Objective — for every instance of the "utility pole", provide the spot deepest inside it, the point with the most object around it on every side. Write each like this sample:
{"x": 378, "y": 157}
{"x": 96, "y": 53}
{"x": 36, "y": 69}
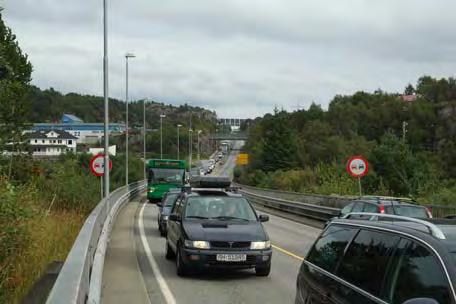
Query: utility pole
{"x": 106, "y": 101}
{"x": 199, "y": 132}
{"x": 190, "y": 131}
{"x": 127, "y": 56}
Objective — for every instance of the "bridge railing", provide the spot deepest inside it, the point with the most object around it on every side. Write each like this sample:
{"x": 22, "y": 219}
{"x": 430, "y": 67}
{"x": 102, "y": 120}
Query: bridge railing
{"x": 79, "y": 280}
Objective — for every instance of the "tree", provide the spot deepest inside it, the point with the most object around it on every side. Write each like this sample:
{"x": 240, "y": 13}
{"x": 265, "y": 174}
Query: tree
{"x": 409, "y": 89}
{"x": 15, "y": 75}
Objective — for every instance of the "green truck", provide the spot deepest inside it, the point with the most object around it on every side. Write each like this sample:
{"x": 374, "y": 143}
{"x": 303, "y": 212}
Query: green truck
{"x": 162, "y": 175}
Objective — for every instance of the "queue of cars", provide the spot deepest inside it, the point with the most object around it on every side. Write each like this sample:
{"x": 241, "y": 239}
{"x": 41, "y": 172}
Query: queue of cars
{"x": 379, "y": 250}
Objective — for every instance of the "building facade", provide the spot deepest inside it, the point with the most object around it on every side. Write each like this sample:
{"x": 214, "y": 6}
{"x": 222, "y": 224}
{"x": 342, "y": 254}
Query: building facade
{"x": 86, "y": 133}
{"x": 51, "y": 143}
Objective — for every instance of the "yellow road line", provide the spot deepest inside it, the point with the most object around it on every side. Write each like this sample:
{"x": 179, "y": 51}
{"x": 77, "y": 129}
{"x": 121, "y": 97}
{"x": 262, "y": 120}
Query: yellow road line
{"x": 288, "y": 253}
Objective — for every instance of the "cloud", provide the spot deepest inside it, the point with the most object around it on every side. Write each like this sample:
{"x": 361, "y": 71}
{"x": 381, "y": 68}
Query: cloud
{"x": 238, "y": 57}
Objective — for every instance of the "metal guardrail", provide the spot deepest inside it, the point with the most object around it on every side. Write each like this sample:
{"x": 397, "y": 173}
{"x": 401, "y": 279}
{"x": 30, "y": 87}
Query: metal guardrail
{"x": 79, "y": 280}
{"x": 315, "y": 212}
{"x": 315, "y": 206}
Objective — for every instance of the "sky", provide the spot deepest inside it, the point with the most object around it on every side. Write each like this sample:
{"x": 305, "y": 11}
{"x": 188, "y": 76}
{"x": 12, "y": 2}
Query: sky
{"x": 240, "y": 58}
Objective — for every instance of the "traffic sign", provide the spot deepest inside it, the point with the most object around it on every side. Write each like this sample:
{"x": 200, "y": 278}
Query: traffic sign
{"x": 97, "y": 165}
{"x": 357, "y": 166}
{"x": 242, "y": 159}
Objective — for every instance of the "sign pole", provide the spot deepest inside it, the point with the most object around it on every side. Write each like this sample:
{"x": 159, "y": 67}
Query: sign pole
{"x": 359, "y": 184}
{"x": 101, "y": 185}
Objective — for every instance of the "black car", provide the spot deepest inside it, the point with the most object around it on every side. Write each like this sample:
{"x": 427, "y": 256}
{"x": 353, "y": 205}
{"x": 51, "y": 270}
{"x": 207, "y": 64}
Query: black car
{"x": 387, "y": 205}
{"x": 212, "y": 227}
{"x": 395, "y": 259}
{"x": 164, "y": 209}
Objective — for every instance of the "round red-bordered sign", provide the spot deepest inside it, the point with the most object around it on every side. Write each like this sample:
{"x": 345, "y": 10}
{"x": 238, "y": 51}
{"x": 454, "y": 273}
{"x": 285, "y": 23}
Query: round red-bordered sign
{"x": 357, "y": 166}
{"x": 97, "y": 165}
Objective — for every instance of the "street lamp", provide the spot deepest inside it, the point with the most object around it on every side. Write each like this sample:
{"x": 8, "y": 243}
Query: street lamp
{"x": 199, "y": 132}
{"x": 106, "y": 101}
{"x": 161, "y": 135}
{"x": 178, "y": 126}
{"x": 190, "y": 132}
{"x": 144, "y": 135}
{"x": 127, "y": 56}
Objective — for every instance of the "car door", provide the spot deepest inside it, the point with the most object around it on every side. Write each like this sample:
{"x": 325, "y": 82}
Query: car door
{"x": 363, "y": 267}
{"x": 174, "y": 226}
{"x": 417, "y": 273}
{"x": 314, "y": 280}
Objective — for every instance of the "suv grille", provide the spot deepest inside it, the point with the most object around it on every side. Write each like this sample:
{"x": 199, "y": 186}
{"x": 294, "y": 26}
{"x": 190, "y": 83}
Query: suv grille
{"x": 236, "y": 245}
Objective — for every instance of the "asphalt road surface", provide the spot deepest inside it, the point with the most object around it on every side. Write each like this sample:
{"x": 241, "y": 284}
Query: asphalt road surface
{"x": 136, "y": 270}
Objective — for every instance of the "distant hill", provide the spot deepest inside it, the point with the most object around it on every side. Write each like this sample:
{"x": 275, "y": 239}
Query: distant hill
{"x": 49, "y": 105}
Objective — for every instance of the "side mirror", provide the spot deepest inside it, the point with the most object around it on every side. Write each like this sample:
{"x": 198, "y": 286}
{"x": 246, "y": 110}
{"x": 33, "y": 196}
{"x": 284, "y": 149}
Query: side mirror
{"x": 160, "y": 204}
{"x": 263, "y": 218}
{"x": 174, "y": 217}
{"x": 421, "y": 301}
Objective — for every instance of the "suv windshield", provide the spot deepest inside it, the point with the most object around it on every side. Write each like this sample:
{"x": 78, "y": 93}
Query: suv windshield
{"x": 170, "y": 199}
{"x": 219, "y": 207}
{"x": 411, "y": 211}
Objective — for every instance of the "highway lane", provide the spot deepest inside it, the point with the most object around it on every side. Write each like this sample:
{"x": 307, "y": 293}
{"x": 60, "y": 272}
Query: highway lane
{"x": 237, "y": 286}
{"x": 160, "y": 283}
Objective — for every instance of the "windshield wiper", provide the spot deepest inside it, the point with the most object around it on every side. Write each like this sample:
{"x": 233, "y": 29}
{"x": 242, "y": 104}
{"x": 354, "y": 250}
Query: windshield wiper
{"x": 225, "y": 217}
{"x": 197, "y": 217}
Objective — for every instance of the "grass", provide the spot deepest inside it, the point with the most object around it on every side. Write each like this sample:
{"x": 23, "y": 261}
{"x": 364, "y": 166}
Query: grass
{"x": 49, "y": 238}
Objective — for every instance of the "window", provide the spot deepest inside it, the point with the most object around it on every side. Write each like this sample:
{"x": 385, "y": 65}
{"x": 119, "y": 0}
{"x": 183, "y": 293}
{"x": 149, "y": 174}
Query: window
{"x": 358, "y": 207}
{"x": 419, "y": 274}
{"x": 371, "y": 208}
{"x": 70, "y": 142}
{"x": 346, "y": 209}
{"x": 42, "y": 141}
{"x": 329, "y": 248}
{"x": 366, "y": 260}
{"x": 59, "y": 141}
{"x": 411, "y": 211}
{"x": 223, "y": 207}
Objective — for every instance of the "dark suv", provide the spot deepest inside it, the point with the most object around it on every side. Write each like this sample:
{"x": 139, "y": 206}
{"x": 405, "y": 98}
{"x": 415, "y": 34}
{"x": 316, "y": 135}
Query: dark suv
{"x": 387, "y": 205}
{"x": 394, "y": 259}
{"x": 164, "y": 209}
{"x": 211, "y": 226}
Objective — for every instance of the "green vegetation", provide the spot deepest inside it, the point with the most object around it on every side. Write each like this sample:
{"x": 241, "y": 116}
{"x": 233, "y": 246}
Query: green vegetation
{"x": 307, "y": 150}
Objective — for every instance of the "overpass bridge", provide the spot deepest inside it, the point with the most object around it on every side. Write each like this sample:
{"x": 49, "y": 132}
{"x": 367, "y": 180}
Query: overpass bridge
{"x": 228, "y": 136}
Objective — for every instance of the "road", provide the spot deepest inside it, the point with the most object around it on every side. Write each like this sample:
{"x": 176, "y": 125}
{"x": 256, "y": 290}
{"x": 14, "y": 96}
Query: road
{"x": 150, "y": 278}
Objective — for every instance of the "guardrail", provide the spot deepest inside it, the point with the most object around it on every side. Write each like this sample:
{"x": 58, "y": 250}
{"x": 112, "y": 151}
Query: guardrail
{"x": 79, "y": 280}
{"x": 315, "y": 206}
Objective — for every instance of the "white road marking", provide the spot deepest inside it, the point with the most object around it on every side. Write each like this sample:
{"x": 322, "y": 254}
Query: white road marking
{"x": 161, "y": 281}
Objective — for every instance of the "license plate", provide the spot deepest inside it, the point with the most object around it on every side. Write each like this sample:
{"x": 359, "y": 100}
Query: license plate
{"x": 231, "y": 257}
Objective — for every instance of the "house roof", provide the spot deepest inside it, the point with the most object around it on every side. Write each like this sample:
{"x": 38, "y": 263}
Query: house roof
{"x": 43, "y": 135}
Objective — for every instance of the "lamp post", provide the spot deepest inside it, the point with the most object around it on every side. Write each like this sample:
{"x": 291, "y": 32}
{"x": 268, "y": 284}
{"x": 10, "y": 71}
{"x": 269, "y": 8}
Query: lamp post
{"x": 190, "y": 132}
{"x": 161, "y": 135}
{"x": 106, "y": 101}
{"x": 127, "y": 56}
{"x": 199, "y": 132}
{"x": 178, "y": 127}
{"x": 144, "y": 135}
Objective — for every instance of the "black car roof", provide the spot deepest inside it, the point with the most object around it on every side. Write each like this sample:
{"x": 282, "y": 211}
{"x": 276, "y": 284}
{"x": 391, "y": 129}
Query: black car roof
{"x": 448, "y": 227}
{"x": 212, "y": 192}
{"x": 387, "y": 202}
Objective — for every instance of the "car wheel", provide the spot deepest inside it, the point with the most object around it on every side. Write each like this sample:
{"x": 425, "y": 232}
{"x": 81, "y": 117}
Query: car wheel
{"x": 169, "y": 254}
{"x": 263, "y": 271}
{"x": 181, "y": 268}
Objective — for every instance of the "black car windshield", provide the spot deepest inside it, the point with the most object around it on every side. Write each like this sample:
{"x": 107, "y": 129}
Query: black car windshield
{"x": 166, "y": 176}
{"x": 411, "y": 211}
{"x": 219, "y": 207}
{"x": 170, "y": 199}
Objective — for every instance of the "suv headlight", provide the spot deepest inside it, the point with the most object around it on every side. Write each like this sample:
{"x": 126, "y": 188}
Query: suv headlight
{"x": 260, "y": 245}
{"x": 151, "y": 189}
{"x": 197, "y": 244}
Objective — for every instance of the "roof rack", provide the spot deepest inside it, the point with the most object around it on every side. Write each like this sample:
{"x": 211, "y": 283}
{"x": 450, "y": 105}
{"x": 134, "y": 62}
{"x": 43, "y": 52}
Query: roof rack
{"x": 392, "y": 198}
{"x": 433, "y": 229}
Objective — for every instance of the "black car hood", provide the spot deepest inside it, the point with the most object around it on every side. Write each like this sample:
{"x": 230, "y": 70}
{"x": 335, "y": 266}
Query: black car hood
{"x": 214, "y": 230}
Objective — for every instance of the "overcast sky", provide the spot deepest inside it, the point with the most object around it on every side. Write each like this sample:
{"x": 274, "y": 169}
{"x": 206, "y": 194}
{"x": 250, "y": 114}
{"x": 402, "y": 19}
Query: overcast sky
{"x": 237, "y": 57}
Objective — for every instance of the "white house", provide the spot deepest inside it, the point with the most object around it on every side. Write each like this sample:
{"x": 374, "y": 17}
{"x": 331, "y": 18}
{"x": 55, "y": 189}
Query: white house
{"x": 51, "y": 143}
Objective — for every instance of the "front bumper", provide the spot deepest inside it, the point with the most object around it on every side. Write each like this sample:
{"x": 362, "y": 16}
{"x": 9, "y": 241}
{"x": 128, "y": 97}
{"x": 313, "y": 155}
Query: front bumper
{"x": 207, "y": 258}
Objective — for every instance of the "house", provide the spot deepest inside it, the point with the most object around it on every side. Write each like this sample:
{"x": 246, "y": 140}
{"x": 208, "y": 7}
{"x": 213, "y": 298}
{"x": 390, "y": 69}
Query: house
{"x": 409, "y": 98}
{"x": 51, "y": 143}
{"x": 87, "y": 133}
